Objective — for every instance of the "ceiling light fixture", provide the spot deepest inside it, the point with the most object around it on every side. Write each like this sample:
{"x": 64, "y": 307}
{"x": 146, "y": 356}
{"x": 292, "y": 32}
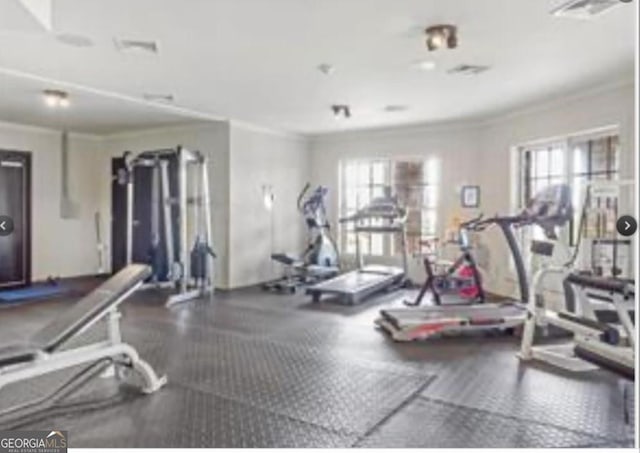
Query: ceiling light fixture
{"x": 341, "y": 111}
{"x": 56, "y": 98}
{"x": 441, "y": 36}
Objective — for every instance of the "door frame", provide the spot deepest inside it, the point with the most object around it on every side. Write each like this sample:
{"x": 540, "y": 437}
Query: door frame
{"x": 26, "y": 158}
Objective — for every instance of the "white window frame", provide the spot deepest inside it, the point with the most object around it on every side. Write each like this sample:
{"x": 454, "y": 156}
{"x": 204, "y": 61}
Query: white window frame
{"x": 567, "y": 144}
{"x": 431, "y": 179}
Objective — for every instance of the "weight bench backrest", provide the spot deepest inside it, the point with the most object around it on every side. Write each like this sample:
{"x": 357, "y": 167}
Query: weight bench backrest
{"x": 90, "y": 308}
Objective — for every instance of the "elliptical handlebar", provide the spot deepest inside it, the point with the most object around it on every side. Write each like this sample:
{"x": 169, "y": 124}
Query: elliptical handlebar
{"x": 480, "y": 223}
{"x": 303, "y": 192}
{"x": 472, "y": 224}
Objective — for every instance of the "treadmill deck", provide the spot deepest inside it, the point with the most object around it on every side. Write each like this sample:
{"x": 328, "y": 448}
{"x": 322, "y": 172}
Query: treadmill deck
{"x": 408, "y": 324}
{"x": 359, "y": 284}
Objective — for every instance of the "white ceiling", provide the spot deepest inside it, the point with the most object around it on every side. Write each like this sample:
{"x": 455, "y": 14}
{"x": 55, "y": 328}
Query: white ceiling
{"x": 255, "y": 60}
{"x": 25, "y": 15}
{"x": 21, "y": 102}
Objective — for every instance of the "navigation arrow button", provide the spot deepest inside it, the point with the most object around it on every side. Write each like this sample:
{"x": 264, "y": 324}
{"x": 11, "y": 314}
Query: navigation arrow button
{"x": 626, "y": 225}
{"x": 6, "y": 225}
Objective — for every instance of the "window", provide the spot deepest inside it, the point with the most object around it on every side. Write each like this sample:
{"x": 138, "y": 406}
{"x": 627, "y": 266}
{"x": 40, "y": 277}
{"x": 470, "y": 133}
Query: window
{"x": 361, "y": 181}
{"x": 594, "y": 159}
{"x": 542, "y": 167}
{"x": 416, "y": 185}
{"x": 575, "y": 161}
{"x": 413, "y": 181}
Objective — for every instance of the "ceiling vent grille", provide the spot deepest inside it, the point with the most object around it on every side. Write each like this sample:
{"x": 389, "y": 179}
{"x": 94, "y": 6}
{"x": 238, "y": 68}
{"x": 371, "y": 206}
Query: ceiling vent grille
{"x": 585, "y": 9}
{"x": 137, "y": 46}
{"x": 468, "y": 69}
{"x": 152, "y": 97}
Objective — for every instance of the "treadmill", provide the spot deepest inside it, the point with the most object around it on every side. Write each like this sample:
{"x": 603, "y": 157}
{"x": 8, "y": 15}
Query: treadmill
{"x": 383, "y": 215}
{"x": 549, "y": 209}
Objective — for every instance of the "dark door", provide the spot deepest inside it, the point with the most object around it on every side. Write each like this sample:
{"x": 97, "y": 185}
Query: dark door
{"x": 148, "y": 244}
{"x": 15, "y": 202}
{"x": 118, "y": 214}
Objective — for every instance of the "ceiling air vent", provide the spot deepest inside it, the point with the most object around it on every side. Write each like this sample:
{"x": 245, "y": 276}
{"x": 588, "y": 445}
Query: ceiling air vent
{"x": 585, "y": 9}
{"x": 396, "y": 108}
{"x": 468, "y": 69}
{"x": 153, "y": 97}
{"x": 136, "y": 46}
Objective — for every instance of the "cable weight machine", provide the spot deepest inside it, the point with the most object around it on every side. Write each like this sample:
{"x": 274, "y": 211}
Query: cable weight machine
{"x": 161, "y": 206}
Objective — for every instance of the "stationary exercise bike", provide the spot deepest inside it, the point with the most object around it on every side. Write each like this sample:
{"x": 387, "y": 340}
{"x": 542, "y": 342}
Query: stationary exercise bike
{"x": 460, "y": 277}
{"x": 319, "y": 261}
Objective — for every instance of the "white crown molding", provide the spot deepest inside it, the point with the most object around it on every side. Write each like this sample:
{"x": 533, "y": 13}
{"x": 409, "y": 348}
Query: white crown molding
{"x": 553, "y": 103}
{"x": 178, "y": 127}
{"x": 269, "y": 131}
{"x": 168, "y": 108}
{"x": 401, "y": 129}
{"x": 19, "y": 127}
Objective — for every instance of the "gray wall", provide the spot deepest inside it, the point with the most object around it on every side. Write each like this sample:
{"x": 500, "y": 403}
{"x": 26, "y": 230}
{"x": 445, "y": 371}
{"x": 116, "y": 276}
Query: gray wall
{"x": 259, "y": 159}
{"x": 60, "y": 247}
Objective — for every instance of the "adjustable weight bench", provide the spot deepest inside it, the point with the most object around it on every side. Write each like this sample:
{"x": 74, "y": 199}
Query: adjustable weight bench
{"x": 44, "y": 353}
{"x": 621, "y": 293}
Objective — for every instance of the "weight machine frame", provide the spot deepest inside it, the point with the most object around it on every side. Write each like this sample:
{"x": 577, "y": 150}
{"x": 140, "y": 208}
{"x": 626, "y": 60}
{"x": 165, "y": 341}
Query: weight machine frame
{"x": 179, "y": 274}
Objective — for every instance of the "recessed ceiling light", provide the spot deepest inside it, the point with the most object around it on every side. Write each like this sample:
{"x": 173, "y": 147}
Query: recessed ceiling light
{"x": 74, "y": 40}
{"x": 424, "y": 65}
{"x": 152, "y": 97}
{"x": 136, "y": 46}
{"x": 397, "y": 108}
{"x": 326, "y": 68}
{"x": 56, "y": 98}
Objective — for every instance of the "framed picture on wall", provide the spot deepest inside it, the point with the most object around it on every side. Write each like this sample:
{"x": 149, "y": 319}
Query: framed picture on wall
{"x": 470, "y": 196}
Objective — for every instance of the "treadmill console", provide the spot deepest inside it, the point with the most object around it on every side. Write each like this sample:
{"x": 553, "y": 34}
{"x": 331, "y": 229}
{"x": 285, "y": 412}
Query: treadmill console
{"x": 550, "y": 208}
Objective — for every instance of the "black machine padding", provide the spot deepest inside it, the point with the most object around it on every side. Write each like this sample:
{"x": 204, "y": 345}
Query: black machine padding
{"x": 283, "y": 258}
{"x": 604, "y": 362}
{"x": 90, "y": 307}
{"x": 14, "y": 354}
{"x": 608, "y": 334}
{"x": 611, "y": 285}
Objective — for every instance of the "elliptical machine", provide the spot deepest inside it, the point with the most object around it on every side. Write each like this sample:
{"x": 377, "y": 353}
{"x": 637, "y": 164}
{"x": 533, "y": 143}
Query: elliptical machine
{"x": 319, "y": 261}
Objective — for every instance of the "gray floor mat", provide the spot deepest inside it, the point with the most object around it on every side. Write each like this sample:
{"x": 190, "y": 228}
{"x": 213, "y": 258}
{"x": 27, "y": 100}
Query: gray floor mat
{"x": 432, "y": 424}
{"x": 252, "y": 369}
{"x": 496, "y": 382}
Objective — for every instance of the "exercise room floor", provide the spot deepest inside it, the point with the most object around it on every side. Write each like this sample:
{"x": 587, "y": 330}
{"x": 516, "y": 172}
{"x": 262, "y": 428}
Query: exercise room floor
{"x": 252, "y": 369}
